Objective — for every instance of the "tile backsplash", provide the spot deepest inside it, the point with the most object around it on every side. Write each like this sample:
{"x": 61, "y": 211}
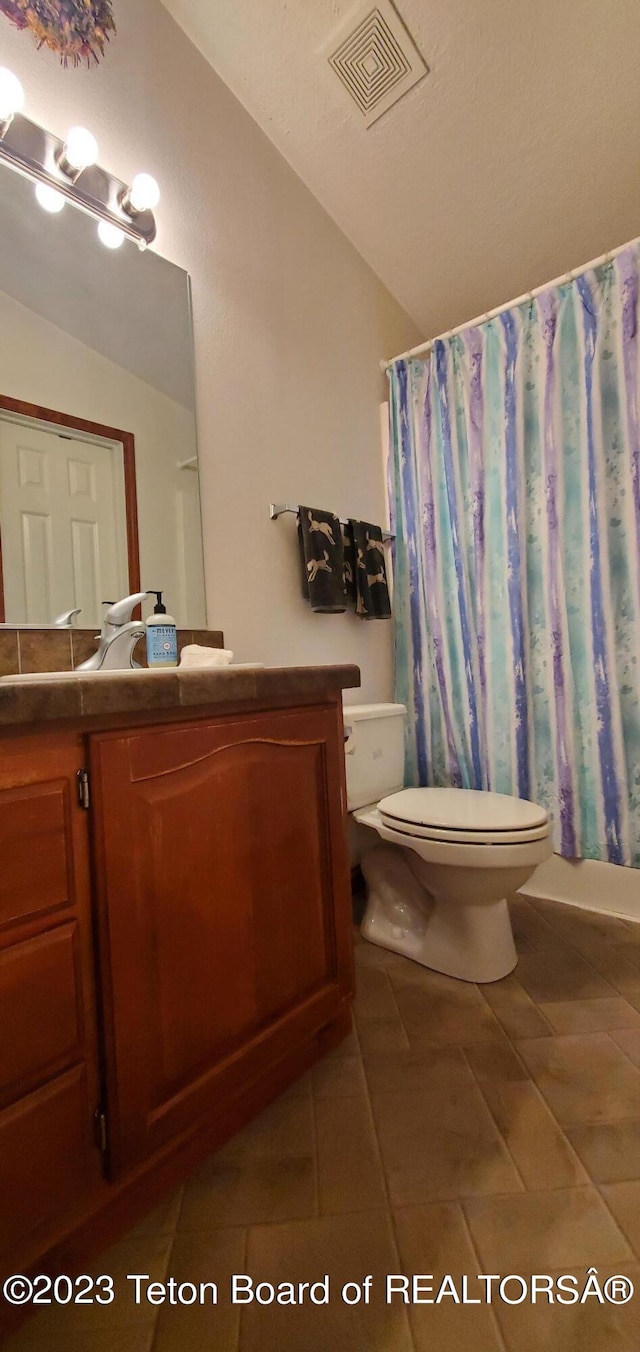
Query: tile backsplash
{"x": 27, "y": 650}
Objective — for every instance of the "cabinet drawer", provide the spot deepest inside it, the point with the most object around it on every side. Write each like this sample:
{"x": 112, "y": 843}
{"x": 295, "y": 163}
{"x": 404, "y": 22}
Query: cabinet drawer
{"x": 50, "y": 1166}
{"x": 34, "y": 848}
{"x": 40, "y": 1009}
{"x": 47, "y": 1161}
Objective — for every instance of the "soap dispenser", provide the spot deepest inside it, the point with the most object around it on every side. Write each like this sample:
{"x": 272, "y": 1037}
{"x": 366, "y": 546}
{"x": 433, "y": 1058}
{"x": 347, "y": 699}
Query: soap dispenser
{"x": 162, "y": 639}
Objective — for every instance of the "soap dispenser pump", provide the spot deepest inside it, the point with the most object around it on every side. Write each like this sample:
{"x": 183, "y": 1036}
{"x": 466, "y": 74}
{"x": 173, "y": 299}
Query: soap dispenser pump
{"x": 162, "y": 638}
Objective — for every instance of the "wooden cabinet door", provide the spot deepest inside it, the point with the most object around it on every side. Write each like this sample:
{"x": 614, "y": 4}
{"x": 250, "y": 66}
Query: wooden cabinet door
{"x": 223, "y": 889}
{"x": 50, "y": 1164}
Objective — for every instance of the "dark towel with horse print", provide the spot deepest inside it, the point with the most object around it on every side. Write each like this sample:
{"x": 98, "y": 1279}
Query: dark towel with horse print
{"x": 322, "y": 560}
{"x": 365, "y": 562}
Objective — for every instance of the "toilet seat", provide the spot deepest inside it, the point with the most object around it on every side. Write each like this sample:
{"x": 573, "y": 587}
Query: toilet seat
{"x": 464, "y": 816}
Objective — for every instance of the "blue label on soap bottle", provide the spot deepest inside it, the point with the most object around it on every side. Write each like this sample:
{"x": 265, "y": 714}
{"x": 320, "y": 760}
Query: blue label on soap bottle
{"x": 162, "y": 645}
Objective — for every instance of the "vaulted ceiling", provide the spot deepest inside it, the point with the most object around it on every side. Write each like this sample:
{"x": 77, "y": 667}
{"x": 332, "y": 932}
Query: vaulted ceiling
{"x": 516, "y": 158}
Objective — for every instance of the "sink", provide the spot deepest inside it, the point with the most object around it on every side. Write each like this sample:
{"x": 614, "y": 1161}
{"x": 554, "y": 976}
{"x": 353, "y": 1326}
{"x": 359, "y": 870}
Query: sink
{"x": 102, "y": 674}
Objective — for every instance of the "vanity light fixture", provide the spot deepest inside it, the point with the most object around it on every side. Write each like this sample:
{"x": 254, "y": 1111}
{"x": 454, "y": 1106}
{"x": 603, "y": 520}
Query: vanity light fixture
{"x": 110, "y": 235}
{"x": 49, "y": 198}
{"x": 11, "y": 98}
{"x": 143, "y": 195}
{"x": 66, "y": 171}
{"x": 79, "y": 151}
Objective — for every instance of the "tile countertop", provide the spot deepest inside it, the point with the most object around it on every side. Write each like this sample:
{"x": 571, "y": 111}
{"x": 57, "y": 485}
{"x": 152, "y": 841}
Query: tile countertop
{"x": 125, "y": 692}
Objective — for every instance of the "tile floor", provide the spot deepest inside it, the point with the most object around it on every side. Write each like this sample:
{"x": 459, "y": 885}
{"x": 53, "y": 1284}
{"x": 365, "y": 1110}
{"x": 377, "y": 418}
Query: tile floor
{"x": 459, "y": 1130}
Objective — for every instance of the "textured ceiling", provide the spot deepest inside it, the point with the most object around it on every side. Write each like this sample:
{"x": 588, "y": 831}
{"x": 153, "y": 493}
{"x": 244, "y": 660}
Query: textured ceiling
{"x": 517, "y": 157}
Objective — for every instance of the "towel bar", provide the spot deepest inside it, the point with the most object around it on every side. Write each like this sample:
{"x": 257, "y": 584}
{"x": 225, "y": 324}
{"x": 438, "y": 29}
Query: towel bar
{"x": 277, "y": 509}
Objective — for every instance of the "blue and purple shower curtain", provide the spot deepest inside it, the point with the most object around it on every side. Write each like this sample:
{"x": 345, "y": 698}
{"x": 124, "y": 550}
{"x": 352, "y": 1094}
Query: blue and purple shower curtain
{"x": 515, "y": 492}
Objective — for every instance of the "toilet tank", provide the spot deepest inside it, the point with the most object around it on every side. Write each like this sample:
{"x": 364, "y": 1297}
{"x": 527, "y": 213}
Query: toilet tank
{"x": 373, "y": 752}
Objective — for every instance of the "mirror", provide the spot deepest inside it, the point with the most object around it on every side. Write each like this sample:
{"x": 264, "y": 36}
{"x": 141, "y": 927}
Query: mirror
{"x": 99, "y": 491}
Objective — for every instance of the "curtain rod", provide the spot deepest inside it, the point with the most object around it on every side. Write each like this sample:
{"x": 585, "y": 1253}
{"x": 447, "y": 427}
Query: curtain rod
{"x": 510, "y": 305}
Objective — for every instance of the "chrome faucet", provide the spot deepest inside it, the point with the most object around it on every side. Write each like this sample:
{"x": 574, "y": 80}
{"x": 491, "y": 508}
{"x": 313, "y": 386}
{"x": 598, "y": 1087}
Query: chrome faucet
{"x": 118, "y": 637}
{"x": 65, "y": 620}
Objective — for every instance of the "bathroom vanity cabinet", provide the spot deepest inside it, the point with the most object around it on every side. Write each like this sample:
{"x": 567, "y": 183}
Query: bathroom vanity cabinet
{"x": 175, "y": 940}
{"x": 49, "y": 1067}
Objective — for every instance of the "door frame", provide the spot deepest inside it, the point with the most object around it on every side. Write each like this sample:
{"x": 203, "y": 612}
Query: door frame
{"x": 127, "y": 440}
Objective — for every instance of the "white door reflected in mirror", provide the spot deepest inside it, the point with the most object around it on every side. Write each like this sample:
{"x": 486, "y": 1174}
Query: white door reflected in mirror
{"x": 62, "y": 519}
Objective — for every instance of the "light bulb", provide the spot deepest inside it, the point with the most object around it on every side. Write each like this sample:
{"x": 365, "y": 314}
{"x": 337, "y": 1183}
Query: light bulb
{"x": 110, "y": 236}
{"x": 11, "y": 94}
{"x": 49, "y": 198}
{"x": 144, "y": 193}
{"x": 80, "y": 148}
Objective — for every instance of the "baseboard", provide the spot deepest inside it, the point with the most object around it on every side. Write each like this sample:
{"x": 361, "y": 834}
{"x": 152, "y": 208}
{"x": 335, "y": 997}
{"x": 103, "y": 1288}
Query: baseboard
{"x": 588, "y": 883}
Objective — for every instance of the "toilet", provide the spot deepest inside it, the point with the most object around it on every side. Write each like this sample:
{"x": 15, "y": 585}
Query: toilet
{"x": 437, "y": 886}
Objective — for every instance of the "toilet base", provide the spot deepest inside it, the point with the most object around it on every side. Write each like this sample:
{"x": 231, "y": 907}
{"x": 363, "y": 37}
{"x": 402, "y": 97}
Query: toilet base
{"x": 468, "y": 939}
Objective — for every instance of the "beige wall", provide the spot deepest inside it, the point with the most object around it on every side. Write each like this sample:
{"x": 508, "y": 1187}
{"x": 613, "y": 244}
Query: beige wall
{"x": 289, "y": 326}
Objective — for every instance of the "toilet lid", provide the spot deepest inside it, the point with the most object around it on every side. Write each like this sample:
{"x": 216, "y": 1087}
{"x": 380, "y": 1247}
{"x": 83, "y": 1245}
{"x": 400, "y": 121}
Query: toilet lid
{"x": 464, "y": 814}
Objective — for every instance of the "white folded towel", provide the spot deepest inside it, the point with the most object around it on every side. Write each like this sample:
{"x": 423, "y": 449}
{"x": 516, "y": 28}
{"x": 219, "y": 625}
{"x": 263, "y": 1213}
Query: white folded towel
{"x": 195, "y": 655}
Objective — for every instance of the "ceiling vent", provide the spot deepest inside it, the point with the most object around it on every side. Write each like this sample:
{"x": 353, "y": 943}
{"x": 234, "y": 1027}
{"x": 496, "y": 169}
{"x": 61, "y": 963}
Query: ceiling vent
{"x": 375, "y": 59}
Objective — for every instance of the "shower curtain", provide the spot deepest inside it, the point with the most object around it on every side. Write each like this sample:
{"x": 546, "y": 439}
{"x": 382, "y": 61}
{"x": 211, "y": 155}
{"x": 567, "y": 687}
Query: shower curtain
{"x": 515, "y": 491}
